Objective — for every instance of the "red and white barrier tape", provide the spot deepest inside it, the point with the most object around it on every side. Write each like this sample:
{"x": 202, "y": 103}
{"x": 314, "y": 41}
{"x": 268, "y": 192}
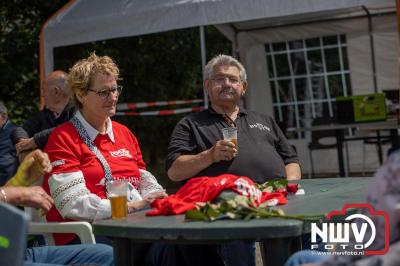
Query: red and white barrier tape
{"x": 162, "y": 112}
{"x": 128, "y": 106}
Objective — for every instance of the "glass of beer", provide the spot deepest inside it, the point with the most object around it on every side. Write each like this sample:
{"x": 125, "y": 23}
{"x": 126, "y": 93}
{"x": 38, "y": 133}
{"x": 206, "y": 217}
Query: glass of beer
{"x": 230, "y": 133}
{"x": 117, "y": 191}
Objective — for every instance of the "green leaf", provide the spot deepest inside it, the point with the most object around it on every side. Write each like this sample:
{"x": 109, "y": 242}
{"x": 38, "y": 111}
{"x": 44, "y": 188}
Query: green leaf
{"x": 213, "y": 211}
{"x": 273, "y": 185}
{"x": 196, "y": 215}
{"x": 232, "y": 206}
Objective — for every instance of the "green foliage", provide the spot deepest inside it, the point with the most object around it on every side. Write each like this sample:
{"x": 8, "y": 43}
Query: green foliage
{"x": 230, "y": 205}
{"x": 273, "y": 185}
{"x": 20, "y": 23}
{"x": 241, "y": 208}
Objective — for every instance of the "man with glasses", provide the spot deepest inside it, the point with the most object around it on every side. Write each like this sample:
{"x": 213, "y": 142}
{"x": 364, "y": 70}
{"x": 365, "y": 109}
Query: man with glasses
{"x": 197, "y": 147}
{"x": 58, "y": 109}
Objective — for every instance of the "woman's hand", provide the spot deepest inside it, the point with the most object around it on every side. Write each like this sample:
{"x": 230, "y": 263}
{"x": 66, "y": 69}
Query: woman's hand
{"x": 144, "y": 203}
{"x": 155, "y": 195}
{"x": 136, "y": 205}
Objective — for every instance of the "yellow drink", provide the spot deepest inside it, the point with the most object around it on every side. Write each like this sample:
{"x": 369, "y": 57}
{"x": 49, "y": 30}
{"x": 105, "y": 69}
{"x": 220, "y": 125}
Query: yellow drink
{"x": 118, "y": 207}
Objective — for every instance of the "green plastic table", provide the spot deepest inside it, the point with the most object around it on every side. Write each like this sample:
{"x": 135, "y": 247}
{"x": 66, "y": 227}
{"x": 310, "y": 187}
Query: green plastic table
{"x": 280, "y": 237}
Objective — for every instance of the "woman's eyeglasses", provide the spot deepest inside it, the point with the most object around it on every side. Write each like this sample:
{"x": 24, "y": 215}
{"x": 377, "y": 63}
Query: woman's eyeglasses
{"x": 104, "y": 94}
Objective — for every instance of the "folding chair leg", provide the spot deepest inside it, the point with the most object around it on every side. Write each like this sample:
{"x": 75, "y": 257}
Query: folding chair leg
{"x": 347, "y": 161}
{"x": 363, "y": 159}
{"x": 379, "y": 146}
{"x": 311, "y": 173}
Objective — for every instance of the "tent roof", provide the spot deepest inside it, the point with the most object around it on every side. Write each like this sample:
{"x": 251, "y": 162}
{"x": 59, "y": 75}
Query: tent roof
{"x": 85, "y": 20}
{"x": 82, "y": 21}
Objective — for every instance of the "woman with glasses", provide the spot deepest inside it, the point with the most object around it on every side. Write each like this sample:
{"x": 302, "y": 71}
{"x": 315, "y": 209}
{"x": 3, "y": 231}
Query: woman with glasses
{"x": 90, "y": 150}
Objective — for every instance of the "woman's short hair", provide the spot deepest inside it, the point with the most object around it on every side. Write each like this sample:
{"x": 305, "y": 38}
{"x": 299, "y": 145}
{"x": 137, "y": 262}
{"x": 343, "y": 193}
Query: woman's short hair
{"x": 81, "y": 75}
{"x": 224, "y": 60}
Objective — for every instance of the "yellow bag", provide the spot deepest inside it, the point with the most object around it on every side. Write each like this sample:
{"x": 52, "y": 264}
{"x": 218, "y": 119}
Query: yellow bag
{"x": 29, "y": 171}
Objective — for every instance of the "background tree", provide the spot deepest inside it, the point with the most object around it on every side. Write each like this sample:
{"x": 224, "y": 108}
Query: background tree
{"x": 20, "y": 23}
{"x": 155, "y": 67}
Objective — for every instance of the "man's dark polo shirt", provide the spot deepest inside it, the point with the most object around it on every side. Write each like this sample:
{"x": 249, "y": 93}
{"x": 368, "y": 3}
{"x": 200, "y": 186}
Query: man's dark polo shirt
{"x": 263, "y": 149}
{"x": 41, "y": 125}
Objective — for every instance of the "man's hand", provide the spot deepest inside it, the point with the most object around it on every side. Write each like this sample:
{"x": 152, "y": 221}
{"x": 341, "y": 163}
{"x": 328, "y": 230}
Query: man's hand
{"x": 186, "y": 166}
{"x": 25, "y": 145}
{"x": 34, "y": 197}
{"x": 223, "y": 150}
{"x": 293, "y": 171}
{"x": 155, "y": 195}
{"x": 34, "y": 166}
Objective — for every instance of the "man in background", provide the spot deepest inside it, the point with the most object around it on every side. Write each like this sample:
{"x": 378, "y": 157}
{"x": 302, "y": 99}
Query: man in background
{"x": 58, "y": 109}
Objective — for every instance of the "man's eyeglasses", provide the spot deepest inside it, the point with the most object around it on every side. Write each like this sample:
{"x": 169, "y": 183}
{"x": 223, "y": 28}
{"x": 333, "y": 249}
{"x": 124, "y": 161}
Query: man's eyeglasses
{"x": 221, "y": 80}
{"x": 104, "y": 94}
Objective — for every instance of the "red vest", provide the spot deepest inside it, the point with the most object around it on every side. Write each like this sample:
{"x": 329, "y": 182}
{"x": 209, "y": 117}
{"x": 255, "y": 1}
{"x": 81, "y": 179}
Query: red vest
{"x": 69, "y": 154}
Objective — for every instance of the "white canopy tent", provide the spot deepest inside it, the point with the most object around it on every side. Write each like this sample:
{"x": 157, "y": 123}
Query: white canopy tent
{"x": 92, "y": 20}
{"x": 82, "y": 21}
{"x": 249, "y": 24}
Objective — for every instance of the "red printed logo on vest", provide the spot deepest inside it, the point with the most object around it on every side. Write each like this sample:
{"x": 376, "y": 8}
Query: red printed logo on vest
{"x": 121, "y": 153}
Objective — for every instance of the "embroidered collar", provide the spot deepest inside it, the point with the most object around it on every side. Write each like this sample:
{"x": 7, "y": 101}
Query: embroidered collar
{"x": 92, "y": 132}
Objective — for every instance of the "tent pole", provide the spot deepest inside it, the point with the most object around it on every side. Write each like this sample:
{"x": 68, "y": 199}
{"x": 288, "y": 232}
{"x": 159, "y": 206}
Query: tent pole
{"x": 42, "y": 52}
{"x": 398, "y": 60}
{"x": 371, "y": 43}
{"x": 203, "y": 61}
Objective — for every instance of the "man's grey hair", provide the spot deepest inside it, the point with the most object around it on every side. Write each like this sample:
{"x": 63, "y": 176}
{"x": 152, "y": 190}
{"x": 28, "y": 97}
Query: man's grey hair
{"x": 224, "y": 60}
{"x": 61, "y": 80}
{"x": 3, "y": 109}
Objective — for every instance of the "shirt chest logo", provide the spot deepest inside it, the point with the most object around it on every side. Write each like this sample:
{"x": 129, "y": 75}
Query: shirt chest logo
{"x": 260, "y": 127}
{"x": 57, "y": 163}
{"x": 121, "y": 153}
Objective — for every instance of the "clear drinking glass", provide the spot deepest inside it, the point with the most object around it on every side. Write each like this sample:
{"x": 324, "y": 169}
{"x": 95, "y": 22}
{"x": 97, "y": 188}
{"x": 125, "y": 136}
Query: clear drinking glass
{"x": 230, "y": 133}
{"x": 117, "y": 191}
